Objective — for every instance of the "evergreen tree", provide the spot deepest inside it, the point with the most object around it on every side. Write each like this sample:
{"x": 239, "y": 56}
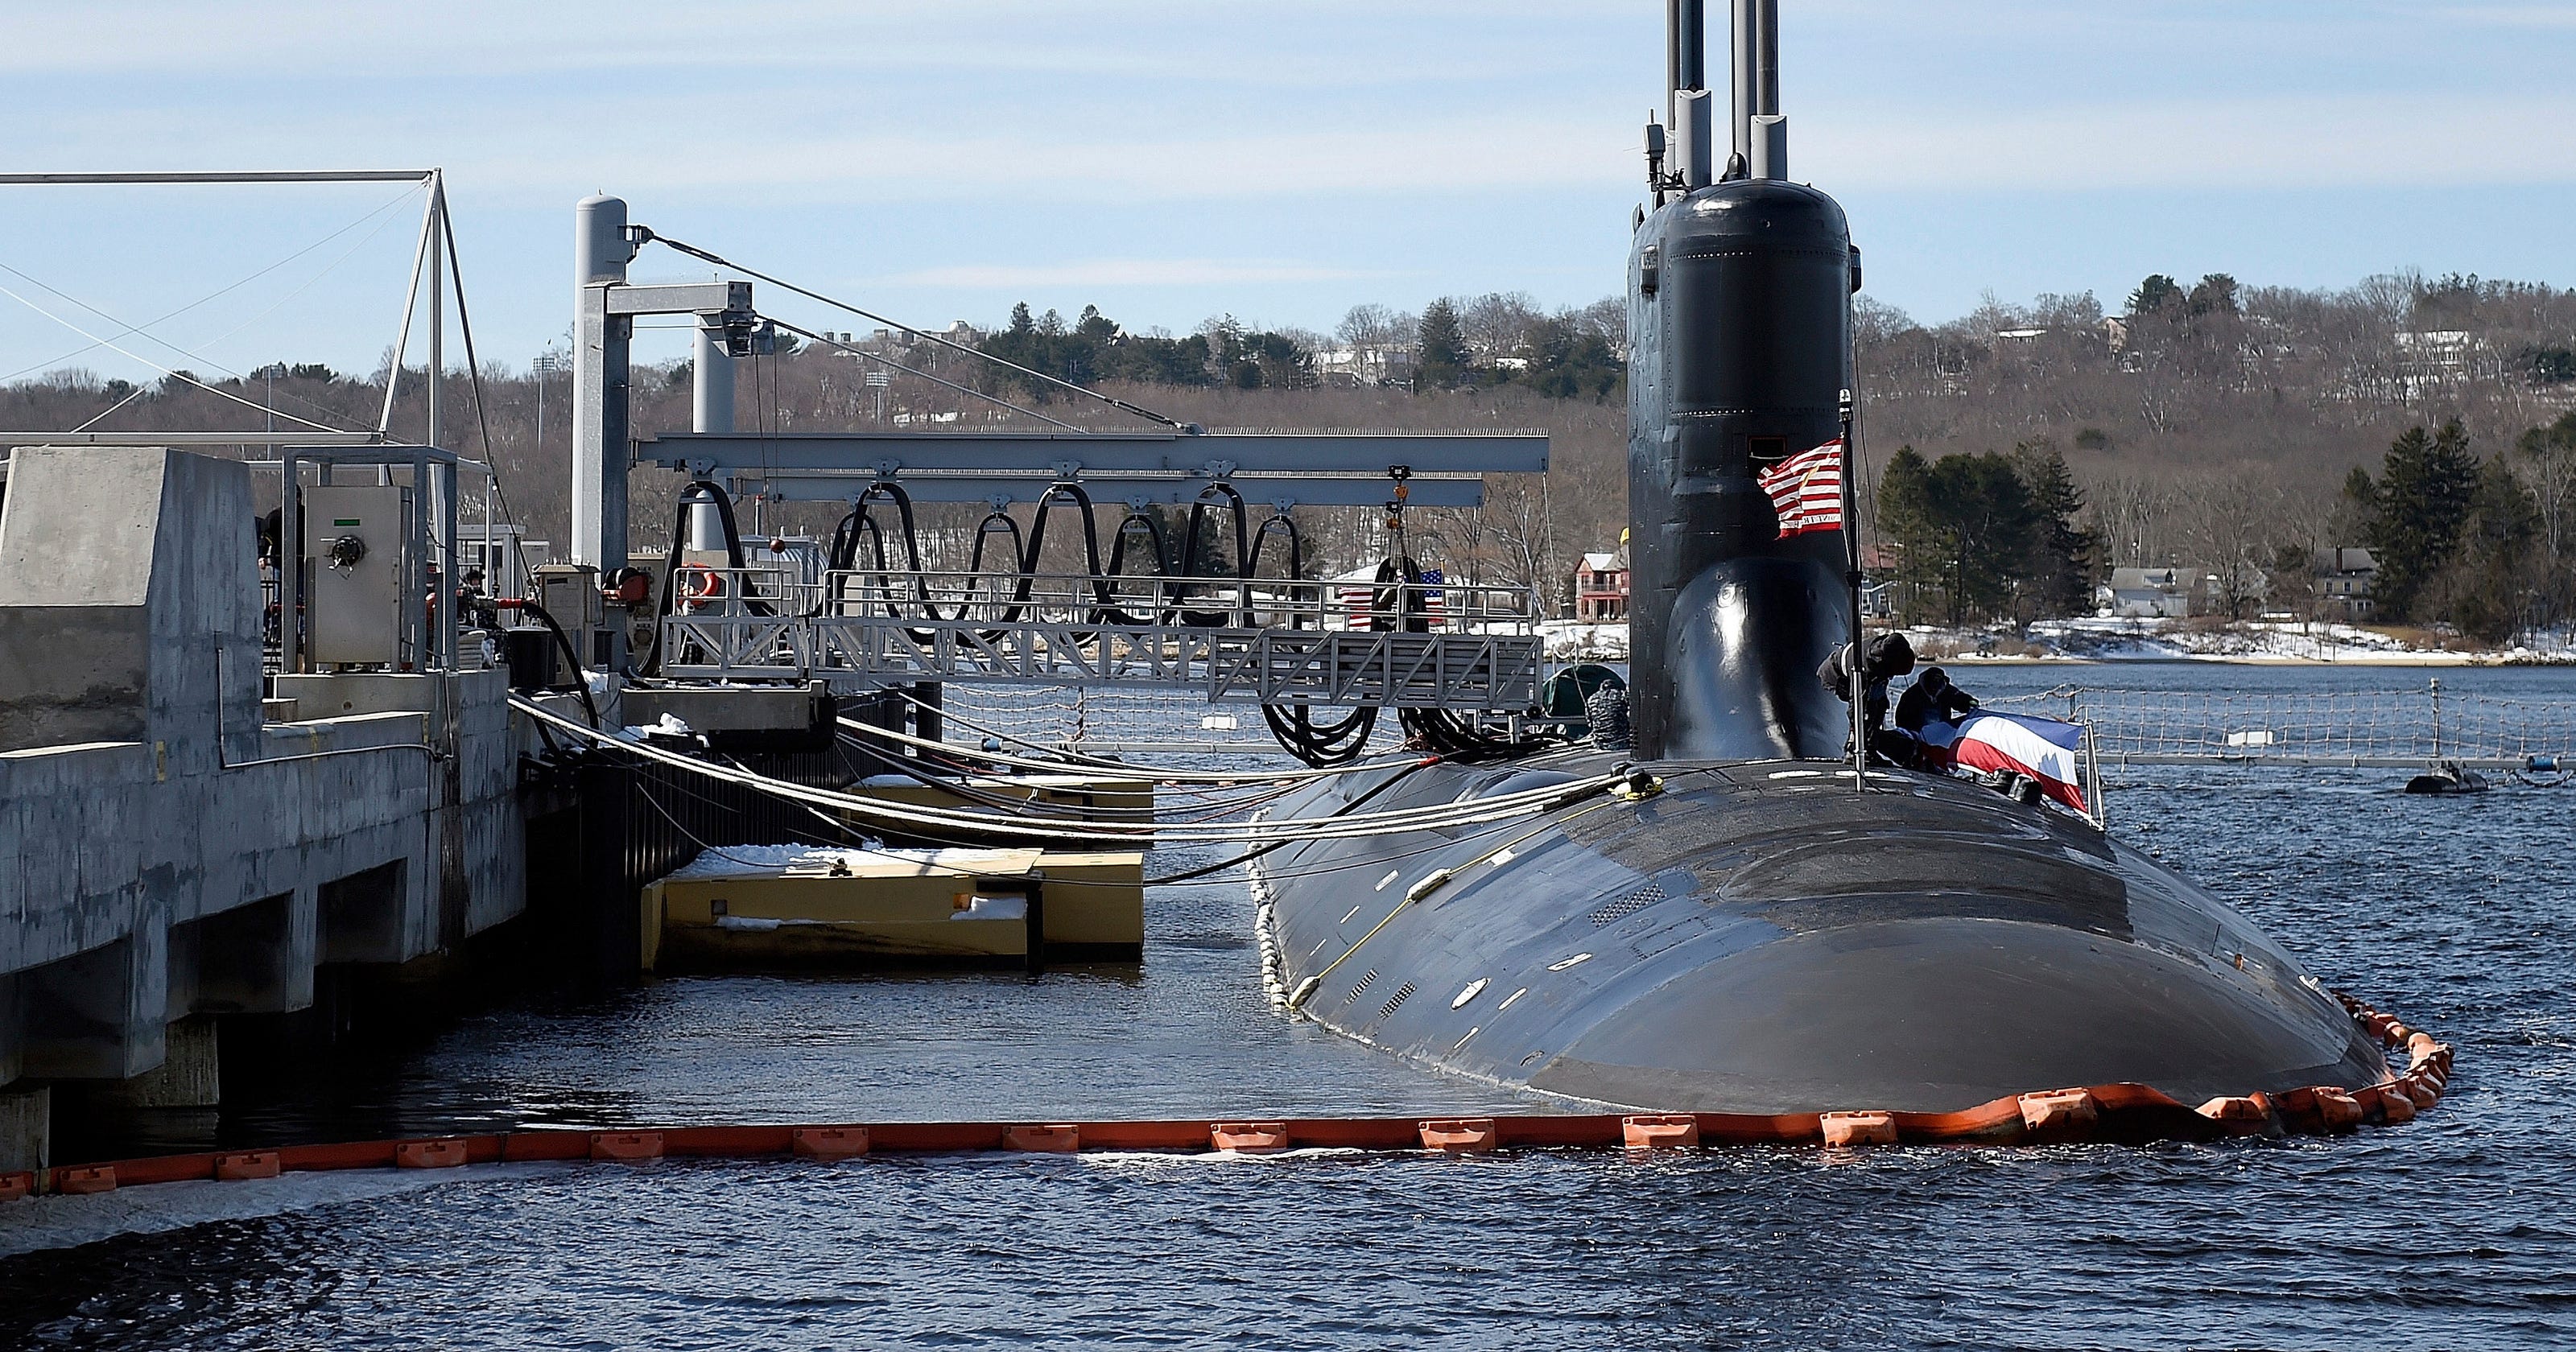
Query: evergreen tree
{"x": 2154, "y": 294}
{"x": 1568, "y": 363}
{"x": 2496, "y": 569}
{"x": 1965, "y": 530}
{"x": 2061, "y": 559}
{"x": 1906, "y": 530}
{"x": 1444, "y": 358}
{"x": 2423, "y": 497}
{"x": 2213, "y": 294}
{"x": 1985, "y": 512}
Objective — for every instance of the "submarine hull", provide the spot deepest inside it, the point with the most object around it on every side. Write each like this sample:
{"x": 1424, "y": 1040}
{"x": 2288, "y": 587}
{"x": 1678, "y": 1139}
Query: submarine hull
{"x": 1760, "y": 938}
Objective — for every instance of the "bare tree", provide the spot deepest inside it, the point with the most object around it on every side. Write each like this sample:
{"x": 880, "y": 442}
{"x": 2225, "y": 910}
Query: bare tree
{"x": 1498, "y": 325}
{"x": 1377, "y": 326}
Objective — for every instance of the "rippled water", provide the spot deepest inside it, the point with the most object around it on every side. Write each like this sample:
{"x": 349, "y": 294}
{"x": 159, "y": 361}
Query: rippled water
{"x": 2458, "y": 1230}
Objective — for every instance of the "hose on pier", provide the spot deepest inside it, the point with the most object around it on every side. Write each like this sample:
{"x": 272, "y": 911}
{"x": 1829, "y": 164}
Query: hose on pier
{"x": 1093, "y": 834}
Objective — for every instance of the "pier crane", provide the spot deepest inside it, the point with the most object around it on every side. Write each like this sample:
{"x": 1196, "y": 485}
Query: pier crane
{"x": 877, "y": 621}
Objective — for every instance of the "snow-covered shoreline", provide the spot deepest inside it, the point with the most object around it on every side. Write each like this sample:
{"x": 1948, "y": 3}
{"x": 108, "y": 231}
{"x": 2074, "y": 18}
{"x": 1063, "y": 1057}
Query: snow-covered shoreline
{"x": 2108, "y": 640}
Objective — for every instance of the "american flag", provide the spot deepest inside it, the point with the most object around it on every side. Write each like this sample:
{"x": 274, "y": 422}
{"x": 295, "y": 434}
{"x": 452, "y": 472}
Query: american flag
{"x": 1807, "y": 488}
{"x": 1359, "y": 591}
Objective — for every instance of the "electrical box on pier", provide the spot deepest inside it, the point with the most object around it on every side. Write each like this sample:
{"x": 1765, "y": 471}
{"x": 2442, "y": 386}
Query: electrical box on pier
{"x": 358, "y": 567}
{"x": 570, "y": 593}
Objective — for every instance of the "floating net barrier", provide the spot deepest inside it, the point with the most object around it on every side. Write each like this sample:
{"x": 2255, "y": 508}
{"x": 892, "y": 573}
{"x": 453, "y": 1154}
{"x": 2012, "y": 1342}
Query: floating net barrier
{"x": 2354, "y": 728}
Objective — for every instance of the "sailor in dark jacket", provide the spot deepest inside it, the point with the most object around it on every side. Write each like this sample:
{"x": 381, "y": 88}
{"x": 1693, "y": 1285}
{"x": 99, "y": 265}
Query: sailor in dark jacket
{"x": 1884, "y": 658}
{"x": 1932, "y": 699}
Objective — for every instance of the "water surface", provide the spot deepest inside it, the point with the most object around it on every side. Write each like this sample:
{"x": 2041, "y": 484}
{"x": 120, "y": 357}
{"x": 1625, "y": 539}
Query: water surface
{"x": 2455, "y": 1231}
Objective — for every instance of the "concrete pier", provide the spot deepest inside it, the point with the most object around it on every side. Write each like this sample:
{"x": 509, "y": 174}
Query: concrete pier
{"x": 171, "y": 853}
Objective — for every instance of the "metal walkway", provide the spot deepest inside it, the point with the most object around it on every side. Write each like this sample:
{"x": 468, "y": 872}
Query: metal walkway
{"x": 1333, "y": 643}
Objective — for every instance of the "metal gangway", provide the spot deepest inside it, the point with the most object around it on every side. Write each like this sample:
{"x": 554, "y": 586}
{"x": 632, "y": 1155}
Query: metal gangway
{"x": 1420, "y": 645}
{"x": 1448, "y": 660}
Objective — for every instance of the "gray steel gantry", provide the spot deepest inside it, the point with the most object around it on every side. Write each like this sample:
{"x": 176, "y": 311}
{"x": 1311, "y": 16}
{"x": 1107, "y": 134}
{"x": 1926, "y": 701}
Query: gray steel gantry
{"x": 1281, "y": 469}
{"x": 1475, "y": 663}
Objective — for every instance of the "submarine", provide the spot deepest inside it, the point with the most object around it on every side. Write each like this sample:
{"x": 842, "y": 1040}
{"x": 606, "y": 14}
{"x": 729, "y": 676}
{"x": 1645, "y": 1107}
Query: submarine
{"x": 1755, "y": 925}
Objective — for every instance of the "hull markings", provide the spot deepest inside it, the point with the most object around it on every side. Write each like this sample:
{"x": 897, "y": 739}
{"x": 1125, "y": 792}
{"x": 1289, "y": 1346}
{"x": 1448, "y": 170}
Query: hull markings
{"x": 1561, "y": 966}
{"x": 1511, "y": 999}
{"x": 1474, "y": 988}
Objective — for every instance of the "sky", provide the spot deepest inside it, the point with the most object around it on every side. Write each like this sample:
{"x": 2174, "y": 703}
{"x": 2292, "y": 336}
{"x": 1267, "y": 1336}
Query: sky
{"x": 1173, "y": 161}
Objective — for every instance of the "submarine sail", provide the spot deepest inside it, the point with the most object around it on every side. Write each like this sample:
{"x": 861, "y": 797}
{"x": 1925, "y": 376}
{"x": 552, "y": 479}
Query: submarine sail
{"x": 1742, "y": 931}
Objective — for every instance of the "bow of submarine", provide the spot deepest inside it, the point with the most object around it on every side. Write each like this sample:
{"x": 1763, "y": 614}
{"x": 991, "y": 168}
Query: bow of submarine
{"x": 1761, "y": 938}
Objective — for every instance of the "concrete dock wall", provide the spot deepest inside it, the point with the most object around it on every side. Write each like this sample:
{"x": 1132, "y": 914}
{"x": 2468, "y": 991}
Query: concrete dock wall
{"x": 167, "y": 853}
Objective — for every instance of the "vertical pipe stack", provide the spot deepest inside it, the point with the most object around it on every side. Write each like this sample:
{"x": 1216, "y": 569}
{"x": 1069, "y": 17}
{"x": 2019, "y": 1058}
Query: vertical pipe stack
{"x": 710, "y": 410}
{"x": 599, "y": 432}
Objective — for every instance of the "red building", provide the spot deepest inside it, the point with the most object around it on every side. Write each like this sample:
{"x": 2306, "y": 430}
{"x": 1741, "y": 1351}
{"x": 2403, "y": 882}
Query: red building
{"x": 1601, "y": 589}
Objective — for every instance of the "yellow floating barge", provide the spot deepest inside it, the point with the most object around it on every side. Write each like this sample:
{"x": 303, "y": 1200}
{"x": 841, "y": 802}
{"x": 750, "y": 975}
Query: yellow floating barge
{"x": 839, "y": 907}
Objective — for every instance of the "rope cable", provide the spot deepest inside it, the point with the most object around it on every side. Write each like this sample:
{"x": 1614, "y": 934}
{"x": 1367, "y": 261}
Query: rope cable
{"x": 1159, "y": 774}
{"x": 145, "y": 328}
{"x": 694, "y": 251}
{"x": 1459, "y": 813}
{"x": 857, "y": 351}
{"x": 965, "y": 785}
{"x": 179, "y": 376}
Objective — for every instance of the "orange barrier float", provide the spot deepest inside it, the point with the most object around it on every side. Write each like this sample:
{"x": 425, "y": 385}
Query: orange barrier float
{"x": 1057, "y": 1139}
{"x": 1247, "y": 1138}
{"x": 2107, "y": 1112}
{"x": 95, "y": 1178}
{"x": 1861, "y": 1128}
{"x": 1458, "y": 1135}
{"x": 1674, "y": 1132}
{"x": 828, "y": 1143}
{"x": 626, "y": 1145}
{"x": 445, "y": 1154}
{"x": 2065, "y": 1114}
{"x": 247, "y": 1164}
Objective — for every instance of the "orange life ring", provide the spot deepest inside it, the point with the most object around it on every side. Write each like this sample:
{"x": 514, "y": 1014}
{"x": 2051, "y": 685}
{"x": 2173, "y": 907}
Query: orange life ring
{"x": 697, "y": 586}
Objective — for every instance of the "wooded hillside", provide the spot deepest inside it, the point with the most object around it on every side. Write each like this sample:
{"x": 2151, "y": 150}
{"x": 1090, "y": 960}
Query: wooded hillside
{"x": 2196, "y": 424}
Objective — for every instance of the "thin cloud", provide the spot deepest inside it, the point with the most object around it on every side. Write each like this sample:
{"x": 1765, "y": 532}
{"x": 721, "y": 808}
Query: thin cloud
{"x": 2318, "y": 141}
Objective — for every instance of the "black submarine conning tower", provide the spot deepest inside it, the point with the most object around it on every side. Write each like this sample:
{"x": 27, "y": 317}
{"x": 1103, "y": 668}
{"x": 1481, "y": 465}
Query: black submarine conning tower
{"x": 1739, "y": 325}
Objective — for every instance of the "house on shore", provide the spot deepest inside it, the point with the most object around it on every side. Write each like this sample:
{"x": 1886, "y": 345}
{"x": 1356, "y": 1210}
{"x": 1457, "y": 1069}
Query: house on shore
{"x": 2344, "y": 578}
{"x": 1601, "y": 589}
{"x": 2148, "y": 593}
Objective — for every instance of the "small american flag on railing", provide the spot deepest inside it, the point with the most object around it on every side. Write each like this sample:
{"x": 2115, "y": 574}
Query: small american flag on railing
{"x": 1358, "y": 590}
{"x": 1807, "y": 488}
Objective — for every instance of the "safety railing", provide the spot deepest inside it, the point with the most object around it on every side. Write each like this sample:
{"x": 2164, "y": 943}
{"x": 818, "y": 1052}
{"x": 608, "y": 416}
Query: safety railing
{"x": 1242, "y": 640}
{"x": 1204, "y": 602}
{"x": 2362, "y": 729}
